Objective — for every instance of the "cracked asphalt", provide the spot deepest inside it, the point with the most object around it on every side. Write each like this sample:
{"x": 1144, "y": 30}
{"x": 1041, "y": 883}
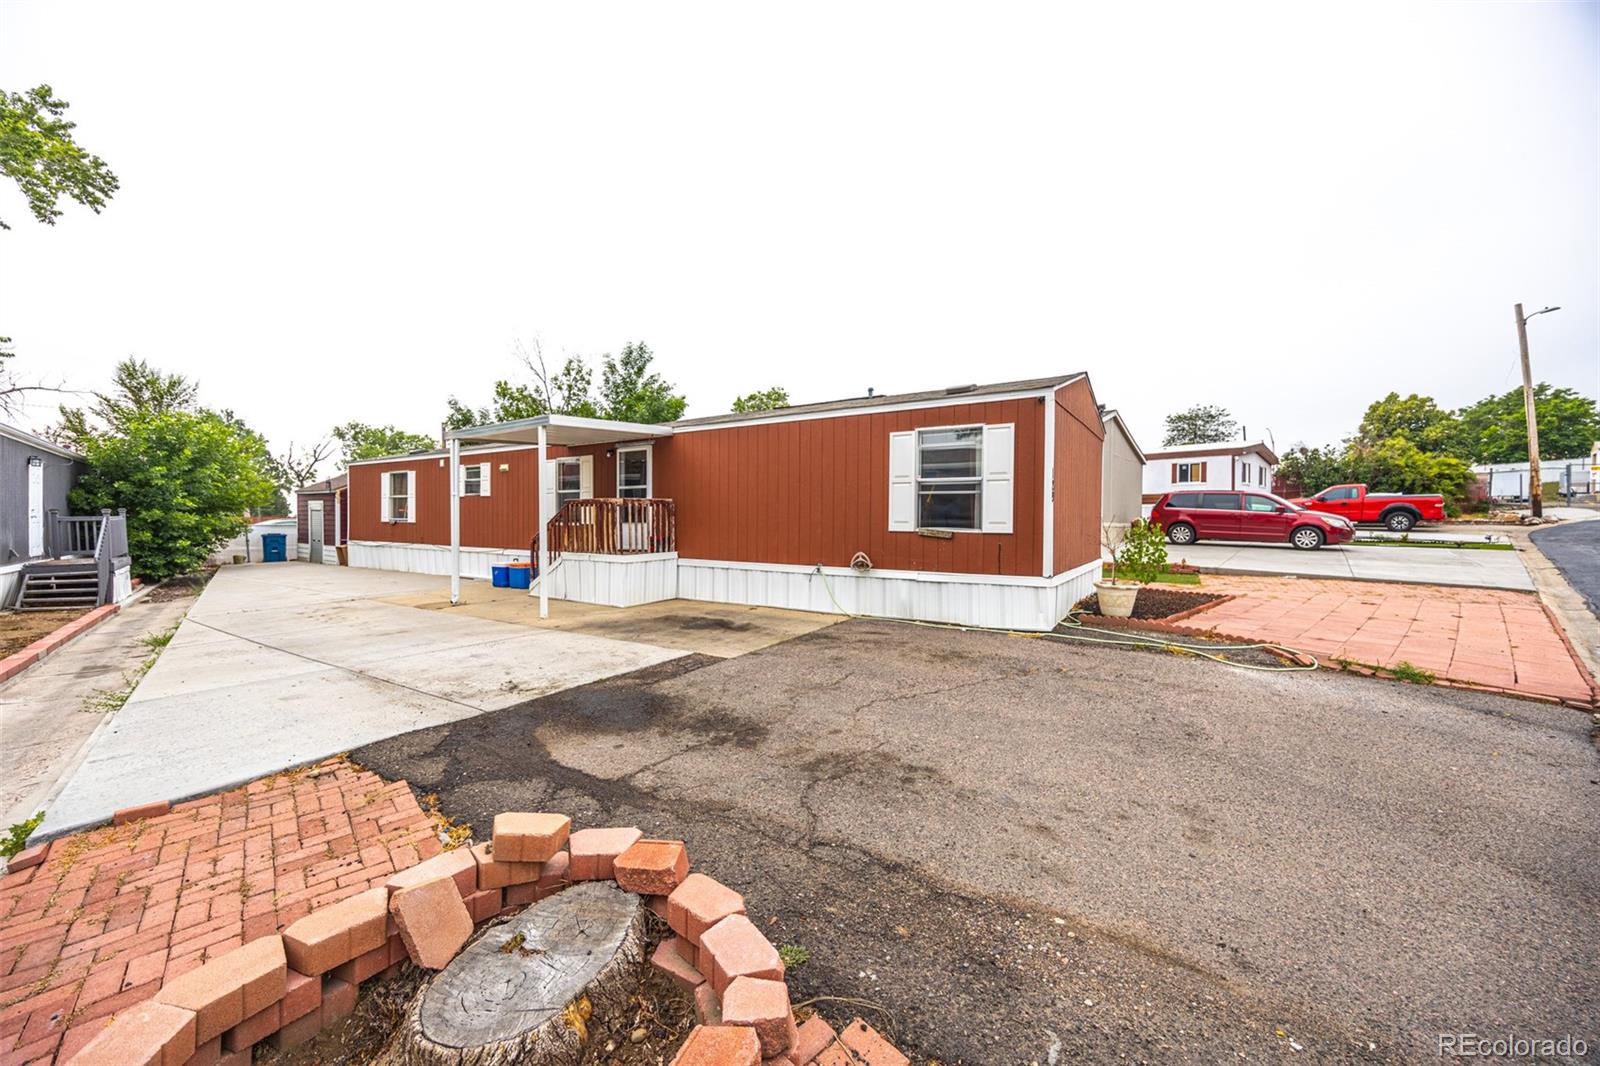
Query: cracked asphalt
{"x": 1010, "y": 850}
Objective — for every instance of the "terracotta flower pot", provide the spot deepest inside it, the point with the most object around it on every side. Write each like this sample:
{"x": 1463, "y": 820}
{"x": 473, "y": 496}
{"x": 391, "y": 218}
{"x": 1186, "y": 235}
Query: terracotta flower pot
{"x": 1116, "y": 597}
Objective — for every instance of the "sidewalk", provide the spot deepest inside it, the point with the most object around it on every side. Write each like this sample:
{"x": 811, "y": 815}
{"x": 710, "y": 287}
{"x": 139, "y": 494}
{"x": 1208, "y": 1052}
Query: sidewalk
{"x": 1435, "y": 566}
{"x": 43, "y": 720}
{"x": 1489, "y": 637}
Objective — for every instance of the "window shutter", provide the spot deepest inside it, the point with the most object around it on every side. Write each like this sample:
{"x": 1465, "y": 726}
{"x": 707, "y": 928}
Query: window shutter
{"x": 999, "y": 463}
{"x": 383, "y": 497}
{"x": 547, "y": 490}
{"x": 1174, "y": 473}
{"x": 585, "y": 477}
{"x": 1202, "y": 476}
{"x": 461, "y": 479}
{"x": 902, "y": 482}
{"x": 411, "y": 495}
{"x": 483, "y": 478}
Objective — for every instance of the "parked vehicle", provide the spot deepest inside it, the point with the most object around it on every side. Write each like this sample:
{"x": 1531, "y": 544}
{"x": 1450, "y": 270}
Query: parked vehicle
{"x": 1255, "y": 516}
{"x": 1398, "y": 511}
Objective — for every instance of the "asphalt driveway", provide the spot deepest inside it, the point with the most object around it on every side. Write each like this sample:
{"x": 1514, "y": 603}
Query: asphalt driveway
{"x": 1575, "y": 549}
{"x": 1015, "y": 850}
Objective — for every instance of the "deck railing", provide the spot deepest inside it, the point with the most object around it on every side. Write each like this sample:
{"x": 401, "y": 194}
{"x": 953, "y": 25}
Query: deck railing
{"x": 612, "y": 527}
{"x": 67, "y": 535}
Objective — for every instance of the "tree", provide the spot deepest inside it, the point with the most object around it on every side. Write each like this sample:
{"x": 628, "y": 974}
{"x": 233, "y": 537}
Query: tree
{"x": 299, "y": 467}
{"x": 1416, "y": 418}
{"x": 137, "y": 390}
{"x": 361, "y": 441}
{"x": 1200, "y": 424}
{"x": 629, "y": 392}
{"x": 13, "y": 391}
{"x": 1495, "y": 429}
{"x": 765, "y": 400}
{"x": 1307, "y": 471}
{"x": 461, "y": 416}
{"x": 187, "y": 479}
{"x": 38, "y": 153}
{"x": 1398, "y": 465}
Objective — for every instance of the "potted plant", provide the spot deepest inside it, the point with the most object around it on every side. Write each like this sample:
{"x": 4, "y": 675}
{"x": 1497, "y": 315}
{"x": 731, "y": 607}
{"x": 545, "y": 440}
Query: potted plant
{"x": 1139, "y": 553}
{"x": 1116, "y": 598}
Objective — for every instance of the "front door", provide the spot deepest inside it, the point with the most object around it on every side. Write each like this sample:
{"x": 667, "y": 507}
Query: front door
{"x": 35, "y": 509}
{"x": 314, "y": 529}
{"x": 633, "y": 483}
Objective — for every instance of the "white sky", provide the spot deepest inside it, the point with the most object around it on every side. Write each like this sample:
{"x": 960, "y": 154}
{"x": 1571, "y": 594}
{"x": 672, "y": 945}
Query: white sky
{"x": 340, "y": 211}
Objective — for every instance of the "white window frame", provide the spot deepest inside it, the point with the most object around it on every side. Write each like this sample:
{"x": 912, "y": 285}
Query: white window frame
{"x": 387, "y": 496}
{"x": 649, "y": 470}
{"x": 480, "y": 471}
{"x": 976, "y": 480}
{"x": 563, "y": 497}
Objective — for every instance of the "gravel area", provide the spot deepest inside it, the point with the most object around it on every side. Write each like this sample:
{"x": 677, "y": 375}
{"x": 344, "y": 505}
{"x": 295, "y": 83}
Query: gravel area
{"x": 1006, "y": 850}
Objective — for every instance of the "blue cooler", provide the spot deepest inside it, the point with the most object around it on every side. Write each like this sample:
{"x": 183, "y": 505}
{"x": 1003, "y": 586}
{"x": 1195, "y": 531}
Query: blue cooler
{"x": 521, "y": 575}
{"x": 500, "y": 576}
{"x": 274, "y": 547}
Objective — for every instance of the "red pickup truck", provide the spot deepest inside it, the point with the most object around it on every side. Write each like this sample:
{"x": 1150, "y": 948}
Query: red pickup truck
{"x": 1396, "y": 510}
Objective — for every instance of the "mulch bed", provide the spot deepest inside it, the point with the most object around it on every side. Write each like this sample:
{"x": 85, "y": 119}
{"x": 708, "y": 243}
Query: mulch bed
{"x": 1154, "y": 603}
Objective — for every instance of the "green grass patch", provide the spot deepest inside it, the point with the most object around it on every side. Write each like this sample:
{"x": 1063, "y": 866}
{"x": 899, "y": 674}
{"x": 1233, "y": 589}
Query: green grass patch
{"x": 1470, "y": 545}
{"x": 1167, "y": 577}
{"x": 793, "y": 955}
{"x": 1413, "y": 675}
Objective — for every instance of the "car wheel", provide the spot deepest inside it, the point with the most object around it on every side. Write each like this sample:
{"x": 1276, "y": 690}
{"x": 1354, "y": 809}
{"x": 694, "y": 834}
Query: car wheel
{"x": 1307, "y": 537}
{"x": 1180, "y": 533}
{"x": 1400, "y": 521}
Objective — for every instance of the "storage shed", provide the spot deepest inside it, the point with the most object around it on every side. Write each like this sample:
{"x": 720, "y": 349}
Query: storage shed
{"x": 320, "y": 510}
{"x": 1121, "y": 473}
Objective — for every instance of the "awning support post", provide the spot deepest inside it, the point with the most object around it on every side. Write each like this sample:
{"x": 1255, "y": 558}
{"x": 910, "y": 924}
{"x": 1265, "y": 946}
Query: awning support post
{"x": 455, "y": 521}
{"x": 544, "y": 528}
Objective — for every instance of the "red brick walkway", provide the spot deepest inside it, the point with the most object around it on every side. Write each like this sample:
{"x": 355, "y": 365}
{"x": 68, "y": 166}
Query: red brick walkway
{"x": 113, "y": 913}
{"x": 1479, "y": 636}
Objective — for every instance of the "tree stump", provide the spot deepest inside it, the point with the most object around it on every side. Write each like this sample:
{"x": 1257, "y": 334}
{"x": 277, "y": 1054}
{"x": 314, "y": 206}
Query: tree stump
{"x": 523, "y": 991}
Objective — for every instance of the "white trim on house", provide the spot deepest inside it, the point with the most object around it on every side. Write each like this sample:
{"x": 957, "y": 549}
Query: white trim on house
{"x": 386, "y": 498}
{"x": 614, "y": 580}
{"x": 649, "y": 449}
{"x": 38, "y": 443}
{"x": 955, "y": 400}
{"x": 429, "y": 558}
{"x": 1047, "y": 545}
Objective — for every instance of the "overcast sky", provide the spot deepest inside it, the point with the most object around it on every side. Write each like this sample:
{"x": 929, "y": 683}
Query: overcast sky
{"x": 339, "y": 211}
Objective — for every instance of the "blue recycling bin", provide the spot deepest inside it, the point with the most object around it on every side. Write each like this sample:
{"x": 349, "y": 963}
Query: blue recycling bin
{"x": 500, "y": 576}
{"x": 274, "y": 547}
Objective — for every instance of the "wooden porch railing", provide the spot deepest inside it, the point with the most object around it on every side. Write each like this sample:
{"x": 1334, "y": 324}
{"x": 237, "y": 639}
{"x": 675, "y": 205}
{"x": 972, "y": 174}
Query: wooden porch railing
{"x": 611, "y": 527}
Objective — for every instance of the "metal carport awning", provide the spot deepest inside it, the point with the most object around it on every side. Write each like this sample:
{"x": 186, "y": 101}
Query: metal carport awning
{"x": 545, "y": 430}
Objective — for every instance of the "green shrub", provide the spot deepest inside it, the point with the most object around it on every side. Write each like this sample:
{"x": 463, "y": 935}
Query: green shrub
{"x": 1143, "y": 557}
{"x": 16, "y": 837}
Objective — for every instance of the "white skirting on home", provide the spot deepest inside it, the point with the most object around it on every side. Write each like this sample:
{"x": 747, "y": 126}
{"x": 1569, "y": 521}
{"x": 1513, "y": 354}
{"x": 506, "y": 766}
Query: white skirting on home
{"x": 614, "y": 580}
{"x": 121, "y": 584}
{"x": 988, "y": 600}
{"x": 330, "y": 554}
{"x": 10, "y": 581}
{"x": 991, "y": 601}
{"x": 428, "y": 558}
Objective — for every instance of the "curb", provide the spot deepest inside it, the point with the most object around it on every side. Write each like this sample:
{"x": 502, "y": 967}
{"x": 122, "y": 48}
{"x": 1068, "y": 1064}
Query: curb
{"x": 16, "y": 663}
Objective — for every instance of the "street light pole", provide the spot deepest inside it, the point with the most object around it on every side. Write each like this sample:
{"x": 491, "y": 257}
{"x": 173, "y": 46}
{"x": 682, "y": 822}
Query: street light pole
{"x": 1535, "y": 481}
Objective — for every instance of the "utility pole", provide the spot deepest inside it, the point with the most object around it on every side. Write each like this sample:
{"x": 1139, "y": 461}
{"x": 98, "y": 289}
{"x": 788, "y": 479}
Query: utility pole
{"x": 1535, "y": 482}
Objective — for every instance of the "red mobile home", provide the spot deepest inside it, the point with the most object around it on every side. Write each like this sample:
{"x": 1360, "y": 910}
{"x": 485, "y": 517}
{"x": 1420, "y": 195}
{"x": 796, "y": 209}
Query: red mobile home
{"x": 978, "y": 505}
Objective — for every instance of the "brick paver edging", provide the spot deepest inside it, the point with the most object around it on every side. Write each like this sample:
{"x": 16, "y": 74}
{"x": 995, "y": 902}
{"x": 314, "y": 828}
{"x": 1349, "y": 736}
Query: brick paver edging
{"x": 286, "y": 984}
{"x": 94, "y": 924}
{"x": 17, "y": 662}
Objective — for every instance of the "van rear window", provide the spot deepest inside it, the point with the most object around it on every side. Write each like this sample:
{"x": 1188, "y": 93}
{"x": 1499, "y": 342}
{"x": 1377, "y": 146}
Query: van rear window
{"x": 1184, "y": 499}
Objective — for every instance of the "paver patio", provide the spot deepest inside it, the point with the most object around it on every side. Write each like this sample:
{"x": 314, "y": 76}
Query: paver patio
{"x": 1487, "y": 637}
{"x": 112, "y": 914}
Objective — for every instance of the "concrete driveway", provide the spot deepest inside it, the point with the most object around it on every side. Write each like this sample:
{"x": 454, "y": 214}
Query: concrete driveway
{"x": 1010, "y": 850}
{"x": 277, "y": 665}
{"x": 1423, "y": 566}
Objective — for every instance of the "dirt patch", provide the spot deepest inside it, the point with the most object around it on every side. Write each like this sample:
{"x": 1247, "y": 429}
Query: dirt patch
{"x": 1154, "y": 604}
{"x": 18, "y": 629}
{"x": 181, "y": 587}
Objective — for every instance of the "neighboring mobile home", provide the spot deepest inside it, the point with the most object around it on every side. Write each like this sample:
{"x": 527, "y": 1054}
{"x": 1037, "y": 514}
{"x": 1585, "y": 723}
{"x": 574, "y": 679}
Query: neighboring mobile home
{"x": 978, "y": 504}
{"x": 1225, "y": 465}
{"x": 50, "y": 558}
{"x": 1121, "y": 473}
{"x": 320, "y": 510}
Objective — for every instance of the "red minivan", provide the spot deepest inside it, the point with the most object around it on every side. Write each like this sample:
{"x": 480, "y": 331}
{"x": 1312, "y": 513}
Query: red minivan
{"x": 1255, "y": 516}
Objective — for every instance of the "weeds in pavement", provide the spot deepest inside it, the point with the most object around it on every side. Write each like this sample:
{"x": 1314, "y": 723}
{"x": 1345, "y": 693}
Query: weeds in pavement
{"x": 16, "y": 837}
{"x": 1411, "y": 675}
{"x": 793, "y": 955}
{"x": 111, "y": 700}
